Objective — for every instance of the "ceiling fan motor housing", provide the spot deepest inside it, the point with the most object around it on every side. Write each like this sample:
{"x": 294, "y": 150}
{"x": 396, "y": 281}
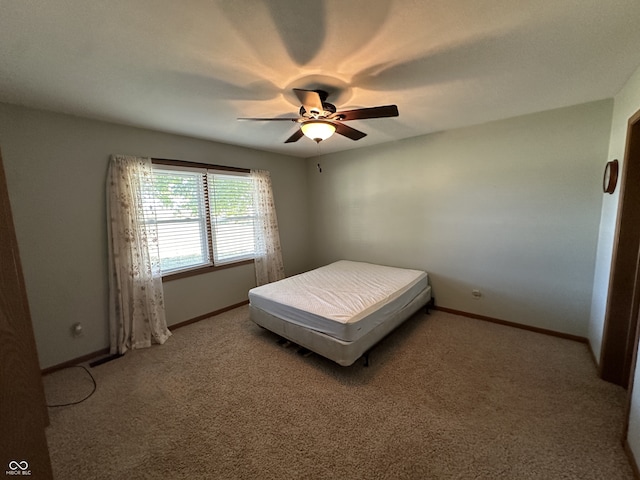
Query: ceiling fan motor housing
{"x": 328, "y": 109}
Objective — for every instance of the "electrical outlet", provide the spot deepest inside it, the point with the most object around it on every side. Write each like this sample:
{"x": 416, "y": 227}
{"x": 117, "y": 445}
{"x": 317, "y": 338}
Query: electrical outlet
{"x": 476, "y": 293}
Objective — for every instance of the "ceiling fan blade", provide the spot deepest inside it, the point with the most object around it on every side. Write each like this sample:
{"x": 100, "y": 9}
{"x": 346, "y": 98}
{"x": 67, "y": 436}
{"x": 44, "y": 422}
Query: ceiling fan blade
{"x": 286, "y": 119}
{"x": 363, "y": 113}
{"x": 349, "y": 132}
{"x": 310, "y": 100}
{"x": 297, "y": 135}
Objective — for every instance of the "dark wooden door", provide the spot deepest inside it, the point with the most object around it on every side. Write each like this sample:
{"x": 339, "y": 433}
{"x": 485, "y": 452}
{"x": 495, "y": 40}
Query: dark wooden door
{"x": 23, "y": 412}
{"x": 616, "y": 359}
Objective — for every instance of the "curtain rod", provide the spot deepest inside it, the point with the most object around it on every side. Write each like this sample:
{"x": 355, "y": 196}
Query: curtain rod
{"x": 168, "y": 161}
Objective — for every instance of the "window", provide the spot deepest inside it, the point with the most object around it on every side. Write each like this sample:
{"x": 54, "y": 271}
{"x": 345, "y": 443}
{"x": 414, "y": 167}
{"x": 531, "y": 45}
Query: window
{"x": 232, "y": 216}
{"x": 205, "y": 217}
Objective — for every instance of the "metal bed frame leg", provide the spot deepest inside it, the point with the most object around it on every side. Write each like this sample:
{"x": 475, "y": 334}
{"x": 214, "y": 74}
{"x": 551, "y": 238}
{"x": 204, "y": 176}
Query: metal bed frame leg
{"x": 430, "y": 304}
{"x": 366, "y": 358}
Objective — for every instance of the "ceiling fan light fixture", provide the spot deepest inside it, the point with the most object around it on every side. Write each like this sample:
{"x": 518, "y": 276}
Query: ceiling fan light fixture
{"x": 318, "y": 130}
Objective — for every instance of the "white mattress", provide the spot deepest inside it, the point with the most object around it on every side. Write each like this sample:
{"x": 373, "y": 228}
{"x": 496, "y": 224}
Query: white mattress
{"x": 345, "y": 299}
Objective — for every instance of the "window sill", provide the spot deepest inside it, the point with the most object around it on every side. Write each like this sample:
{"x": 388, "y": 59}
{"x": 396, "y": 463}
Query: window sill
{"x": 199, "y": 271}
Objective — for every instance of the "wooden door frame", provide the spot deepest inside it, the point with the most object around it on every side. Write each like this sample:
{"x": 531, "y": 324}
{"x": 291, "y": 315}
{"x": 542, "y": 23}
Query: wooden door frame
{"x": 617, "y": 355}
{"x": 23, "y": 411}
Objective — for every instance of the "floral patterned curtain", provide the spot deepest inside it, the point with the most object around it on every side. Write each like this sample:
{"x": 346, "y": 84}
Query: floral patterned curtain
{"x": 136, "y": 302}
{"x": 268, "y": 259}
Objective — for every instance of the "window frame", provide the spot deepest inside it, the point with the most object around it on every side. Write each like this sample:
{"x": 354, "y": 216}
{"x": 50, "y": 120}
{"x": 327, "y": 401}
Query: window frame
{"x": 199, "y": 270}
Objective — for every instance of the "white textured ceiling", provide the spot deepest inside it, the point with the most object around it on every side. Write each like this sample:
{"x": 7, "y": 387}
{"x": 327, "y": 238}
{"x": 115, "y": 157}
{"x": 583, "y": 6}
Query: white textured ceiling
{"x": 193, "y": 66}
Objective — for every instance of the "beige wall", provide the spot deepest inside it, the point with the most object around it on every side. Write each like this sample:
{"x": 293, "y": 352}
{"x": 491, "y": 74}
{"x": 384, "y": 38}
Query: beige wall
{"x": 56, "y": 169}
{"x": 510, "y": 207}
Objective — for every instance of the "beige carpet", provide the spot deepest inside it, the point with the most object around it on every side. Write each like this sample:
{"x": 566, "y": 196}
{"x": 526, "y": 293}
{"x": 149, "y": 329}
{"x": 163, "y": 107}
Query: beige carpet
{"x": 444, "y": 397}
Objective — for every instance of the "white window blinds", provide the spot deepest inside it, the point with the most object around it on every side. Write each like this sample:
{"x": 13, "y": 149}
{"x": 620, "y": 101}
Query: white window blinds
{"x": 180, "y": 204}
{"x": 232, "y": 216}
{"x": 204, "y": 217}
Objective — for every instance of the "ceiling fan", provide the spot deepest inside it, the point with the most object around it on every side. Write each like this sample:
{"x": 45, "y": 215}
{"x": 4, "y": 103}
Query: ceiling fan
{"x": 319, "y": 119}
